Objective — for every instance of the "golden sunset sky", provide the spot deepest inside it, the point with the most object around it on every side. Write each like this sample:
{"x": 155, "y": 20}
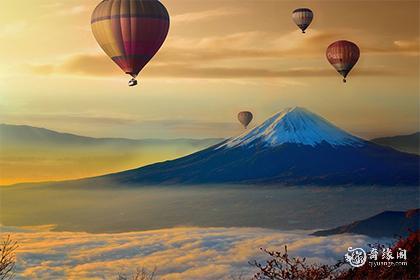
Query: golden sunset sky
{"x": 220, "y": 57}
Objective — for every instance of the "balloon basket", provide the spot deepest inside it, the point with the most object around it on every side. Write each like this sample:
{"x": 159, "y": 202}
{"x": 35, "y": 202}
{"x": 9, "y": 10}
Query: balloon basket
{"x": 132, "y": 82}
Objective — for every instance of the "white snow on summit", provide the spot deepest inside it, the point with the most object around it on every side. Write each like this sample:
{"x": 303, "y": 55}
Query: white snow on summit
{"x": 294, "y": 125}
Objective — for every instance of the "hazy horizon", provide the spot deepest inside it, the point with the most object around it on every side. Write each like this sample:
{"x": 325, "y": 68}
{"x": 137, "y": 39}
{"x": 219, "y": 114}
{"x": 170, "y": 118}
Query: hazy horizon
{"x": 237, "y": 128}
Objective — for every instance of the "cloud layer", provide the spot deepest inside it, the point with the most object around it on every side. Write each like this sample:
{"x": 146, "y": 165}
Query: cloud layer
{"x": 178, "y": 253}
{"x": 213, "y": 57}
{"x": 203, "y": 15}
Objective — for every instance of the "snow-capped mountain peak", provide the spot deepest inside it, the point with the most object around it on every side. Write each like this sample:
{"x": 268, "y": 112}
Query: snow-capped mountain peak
{"x": 319, "y": 154}
{"x": 294, "y": 125}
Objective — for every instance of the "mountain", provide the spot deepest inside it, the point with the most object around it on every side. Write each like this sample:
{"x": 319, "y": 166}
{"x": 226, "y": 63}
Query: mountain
{"x": 405, "y": 143}
{"x": 293, "y": 147}
{"x": 385, "y": 224}
{"x": 46, "y": 155}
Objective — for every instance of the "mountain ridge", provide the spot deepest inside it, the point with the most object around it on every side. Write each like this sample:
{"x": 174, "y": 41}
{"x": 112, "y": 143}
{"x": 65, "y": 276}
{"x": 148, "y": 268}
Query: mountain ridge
{"x": 384, "y": 224}
{"x": 30, "y": 154}
{"x": 409, "y": 143}
{"x": 26, "y": 129}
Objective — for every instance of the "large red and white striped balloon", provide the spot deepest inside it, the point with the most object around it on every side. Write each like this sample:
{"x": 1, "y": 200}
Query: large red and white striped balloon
{"x": 343, "y": 55}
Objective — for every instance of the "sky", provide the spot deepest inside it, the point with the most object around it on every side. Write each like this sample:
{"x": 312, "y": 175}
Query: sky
{"x": 220, "y": 57}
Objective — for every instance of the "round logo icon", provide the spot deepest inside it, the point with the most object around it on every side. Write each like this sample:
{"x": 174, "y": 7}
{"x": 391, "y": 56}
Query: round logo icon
{"x": 356, "y": 257}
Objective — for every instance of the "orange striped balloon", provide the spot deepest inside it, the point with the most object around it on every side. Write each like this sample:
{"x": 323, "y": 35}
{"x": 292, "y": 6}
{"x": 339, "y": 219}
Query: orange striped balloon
{"x": 130, "y": 31}
{"x": 343, "y": 55}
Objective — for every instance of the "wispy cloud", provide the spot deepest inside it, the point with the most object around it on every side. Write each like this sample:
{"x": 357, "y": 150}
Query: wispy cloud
{"x": 65, "y": 9}
{"x": 97, "y": 65}
{"x": 53, "y": 5}
{"x": 410, "y": 46}
{"x": 71, "y": 118}
{"x": 203, "y": 15}
{"x": 178, "y": 253}
{"x": 82, "y": 64}
{"x": 74, "y": 10}
{"x": 13, "y": 29}
{"x": 407, "y": 47}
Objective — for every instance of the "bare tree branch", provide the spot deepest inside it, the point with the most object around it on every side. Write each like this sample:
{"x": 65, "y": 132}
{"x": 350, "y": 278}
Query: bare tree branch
{"x": 7, "y": 258}
{"x": 140, "y": 274}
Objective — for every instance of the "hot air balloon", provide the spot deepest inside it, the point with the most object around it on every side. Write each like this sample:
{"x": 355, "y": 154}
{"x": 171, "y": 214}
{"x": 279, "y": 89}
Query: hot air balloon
{"x": 130, "y": 32}
{"x": 343, "y": 55}
{"x": 303, "y": 18}
{"x": 245, "y": 117}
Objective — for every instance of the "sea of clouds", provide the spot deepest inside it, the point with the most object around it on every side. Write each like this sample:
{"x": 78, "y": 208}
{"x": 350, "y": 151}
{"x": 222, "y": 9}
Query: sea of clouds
{"x": 177, "y": 253}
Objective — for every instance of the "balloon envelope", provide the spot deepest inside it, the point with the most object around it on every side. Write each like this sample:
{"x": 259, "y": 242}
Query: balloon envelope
{"x": 245, "y": 117}
{"x": 130, "y": 31}
{"x": 343, "y": 55}
{"x": 303, "y": 18}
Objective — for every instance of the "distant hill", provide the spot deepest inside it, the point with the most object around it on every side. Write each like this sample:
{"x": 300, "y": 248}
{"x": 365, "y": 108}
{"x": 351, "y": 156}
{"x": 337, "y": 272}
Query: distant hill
{"x": 293, "y": 147}
{"x": 385, "y": 224}
{"x": 32, "y": 154}
{"x": 29, "y": 135}
{"x": 405, "y": 143}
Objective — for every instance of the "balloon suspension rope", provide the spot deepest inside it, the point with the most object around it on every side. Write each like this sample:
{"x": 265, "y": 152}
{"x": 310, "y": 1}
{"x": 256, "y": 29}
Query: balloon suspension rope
{"x": 344, "y": 80}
